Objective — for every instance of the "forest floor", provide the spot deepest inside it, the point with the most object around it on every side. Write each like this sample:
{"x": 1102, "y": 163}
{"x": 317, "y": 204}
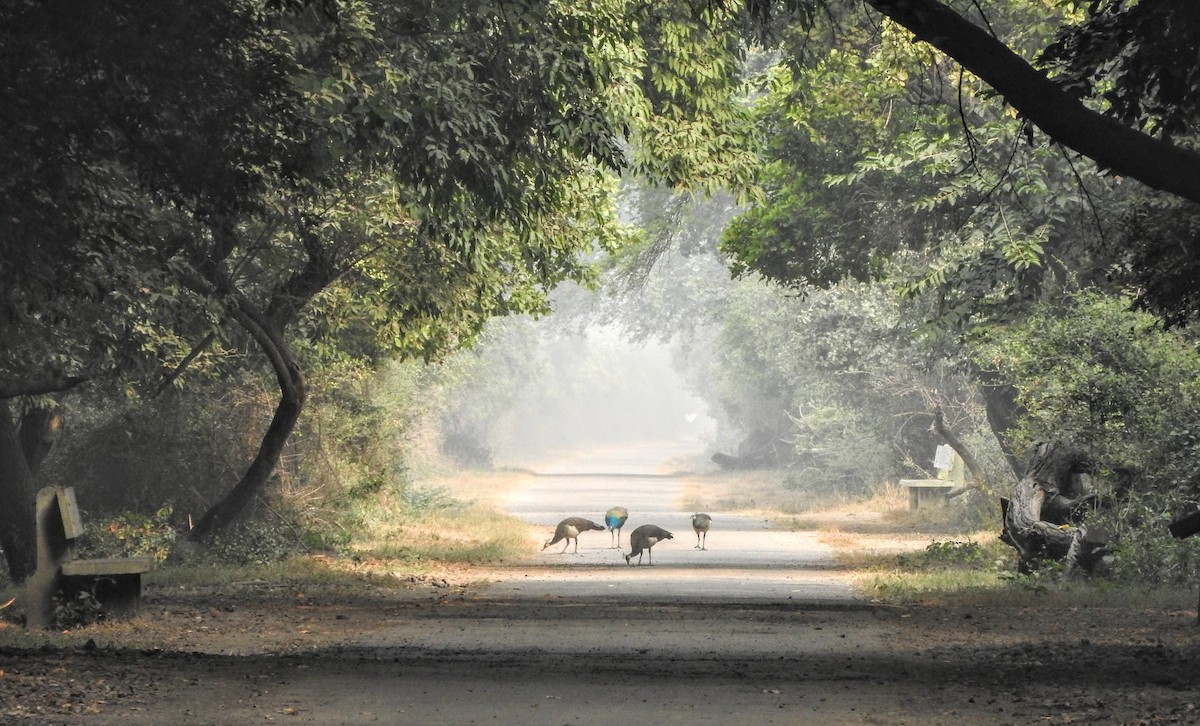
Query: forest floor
{"x": 453, "y": 647}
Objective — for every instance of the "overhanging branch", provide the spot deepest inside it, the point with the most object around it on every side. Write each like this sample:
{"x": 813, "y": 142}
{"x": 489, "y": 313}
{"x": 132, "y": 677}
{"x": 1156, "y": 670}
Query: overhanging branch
{"x": 41, "y": 387}
{"x": 1113, "y": 146}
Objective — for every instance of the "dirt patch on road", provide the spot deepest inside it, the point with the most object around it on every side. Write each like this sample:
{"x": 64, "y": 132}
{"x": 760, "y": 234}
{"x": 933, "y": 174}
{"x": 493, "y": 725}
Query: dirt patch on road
{"x": 253, "y": 653}
{"x": 445, "y": 647}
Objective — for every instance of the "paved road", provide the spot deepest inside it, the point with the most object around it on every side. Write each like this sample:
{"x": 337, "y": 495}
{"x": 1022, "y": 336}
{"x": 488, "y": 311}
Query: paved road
{"x": 745, "y": 559}
{"x": 757, "y": 629}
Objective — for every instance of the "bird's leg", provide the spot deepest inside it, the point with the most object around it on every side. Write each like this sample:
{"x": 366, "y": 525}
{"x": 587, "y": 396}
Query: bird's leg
{"x": 576, "y": 550}
{"x": 566, "y": 544}
{"x": 704, "y": 544}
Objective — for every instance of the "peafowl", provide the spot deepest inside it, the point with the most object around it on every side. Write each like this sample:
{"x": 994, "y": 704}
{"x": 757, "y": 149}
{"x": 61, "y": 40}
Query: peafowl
{"x": 643, "y": 538}
{"x": 569, "y": 529}
{"x": 700, "y": 523}
{"x": 615, "y": 519}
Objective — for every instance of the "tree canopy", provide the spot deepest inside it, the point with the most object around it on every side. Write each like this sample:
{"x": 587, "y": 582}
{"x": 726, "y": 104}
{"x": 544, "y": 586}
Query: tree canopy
{"x": 183, "y": 184}
{"x": 367, "y": 177}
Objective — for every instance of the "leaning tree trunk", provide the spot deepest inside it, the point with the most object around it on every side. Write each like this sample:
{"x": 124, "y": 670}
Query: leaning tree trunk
{"x": 1043, "y": 520}
{"x": 292, "y": 395}
{"x": 267, "y": 326}
{"x": 1003, "y": 412}
{"x": 978, "y": 477}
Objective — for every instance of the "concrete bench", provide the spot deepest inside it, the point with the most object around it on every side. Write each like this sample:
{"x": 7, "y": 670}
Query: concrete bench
{"x": 921, "y": 492}
{"x": 115, "y": 583}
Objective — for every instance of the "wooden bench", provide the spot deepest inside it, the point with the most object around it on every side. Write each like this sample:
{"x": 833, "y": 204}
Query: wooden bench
{"x": 116, "y": 583}
{"x": 922, "y": 492}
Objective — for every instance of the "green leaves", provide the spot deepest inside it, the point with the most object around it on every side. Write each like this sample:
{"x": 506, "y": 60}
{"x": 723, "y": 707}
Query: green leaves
{"x": 1092, "y": 372}
{"x": 1023, "y": 253}
{"x": 885, "y": 161}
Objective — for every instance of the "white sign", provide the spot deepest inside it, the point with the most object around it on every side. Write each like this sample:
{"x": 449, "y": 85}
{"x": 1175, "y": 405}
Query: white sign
{"x": 944, "y": 457}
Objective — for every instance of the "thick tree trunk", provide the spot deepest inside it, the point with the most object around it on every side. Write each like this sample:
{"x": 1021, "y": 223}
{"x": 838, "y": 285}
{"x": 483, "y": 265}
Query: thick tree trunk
{"x": 292, "y": 395}
{"x": 37, "y": 433}
{"x": 1113, "y": 146}
{"x": 17, "y": 496}
{"x": 1043, "y": 520}
{"x": 1000, "y": 403}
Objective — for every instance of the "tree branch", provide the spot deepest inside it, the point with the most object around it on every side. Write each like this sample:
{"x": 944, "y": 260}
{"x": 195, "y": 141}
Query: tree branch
{"x": 50, "y": 384}
{"x": 978, "y": 476}
{"x": 1113, "y": 146}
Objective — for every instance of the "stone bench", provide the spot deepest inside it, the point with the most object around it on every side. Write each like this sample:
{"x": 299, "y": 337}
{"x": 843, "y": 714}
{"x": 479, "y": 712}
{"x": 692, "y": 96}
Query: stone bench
{"x": 922, "y": 492}
{"x": 115, "y": 583}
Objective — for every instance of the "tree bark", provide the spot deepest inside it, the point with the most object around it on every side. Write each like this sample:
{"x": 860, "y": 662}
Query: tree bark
{"x": 17, "y": 496}
{"x": 292, "y": 395}
{"x": 1121, "y": 149}
{"x": 37, "y": 433}
{"x": 1000, "y": 403}
{"x": 1043, "y": 520}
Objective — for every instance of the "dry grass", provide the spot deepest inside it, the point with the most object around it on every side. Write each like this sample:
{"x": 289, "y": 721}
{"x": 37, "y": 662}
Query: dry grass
{"x": 465, "y": 534}
{"x": 743, "y": 492}
{"x": 885, "y": 512}
{"x": 486, "y": 488}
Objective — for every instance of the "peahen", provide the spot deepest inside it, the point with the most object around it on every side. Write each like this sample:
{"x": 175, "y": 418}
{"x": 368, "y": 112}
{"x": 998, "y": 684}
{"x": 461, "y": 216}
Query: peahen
{"x": 643, "y": 538}
{"x": 569, "y": 529}
{"x": 700, "y": 523}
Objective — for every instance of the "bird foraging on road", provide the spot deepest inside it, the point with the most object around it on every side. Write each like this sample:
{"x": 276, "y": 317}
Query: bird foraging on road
{"x": 643, "y": 538}
{"x": 569, "y": 529}
{"x": 615, "y": 519}
{"x": 700, "y": 523}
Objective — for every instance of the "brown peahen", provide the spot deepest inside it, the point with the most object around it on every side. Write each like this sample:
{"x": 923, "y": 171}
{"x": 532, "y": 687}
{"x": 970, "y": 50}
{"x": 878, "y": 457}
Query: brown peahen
{"x": 569, "y": 529}
{"x": 700, "y": 524}
{"x": 643, "y": 538}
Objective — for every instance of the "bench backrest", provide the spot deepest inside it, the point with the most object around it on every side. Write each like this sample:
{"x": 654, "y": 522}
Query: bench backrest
{"x": 68, "y": 508}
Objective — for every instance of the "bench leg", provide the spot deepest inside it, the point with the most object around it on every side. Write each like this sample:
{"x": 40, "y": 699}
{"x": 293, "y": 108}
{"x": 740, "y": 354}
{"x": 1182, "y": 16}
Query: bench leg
{"x": 39, "y": 599}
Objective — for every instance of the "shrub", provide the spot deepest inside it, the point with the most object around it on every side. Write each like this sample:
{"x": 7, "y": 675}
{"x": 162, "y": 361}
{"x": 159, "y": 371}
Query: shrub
{"x": 257, "y": 543}
{"x": 1143, "y": 550}
{"x": 130, "y": 534}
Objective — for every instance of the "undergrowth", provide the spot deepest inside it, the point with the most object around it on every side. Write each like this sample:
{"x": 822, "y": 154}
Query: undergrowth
{"x": 974, "y": 574}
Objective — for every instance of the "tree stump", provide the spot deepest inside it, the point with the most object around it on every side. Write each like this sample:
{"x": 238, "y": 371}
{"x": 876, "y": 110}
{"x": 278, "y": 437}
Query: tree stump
{"x": 1044, "y": 518}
